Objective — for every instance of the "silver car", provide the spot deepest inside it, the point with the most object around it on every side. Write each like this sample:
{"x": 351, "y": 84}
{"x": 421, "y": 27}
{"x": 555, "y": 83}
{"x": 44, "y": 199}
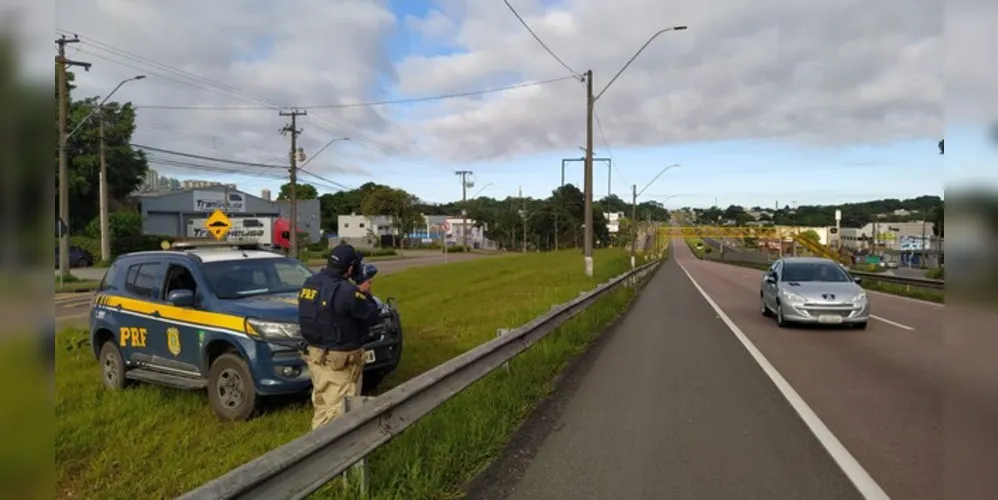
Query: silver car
{"x": 813, "y": 290}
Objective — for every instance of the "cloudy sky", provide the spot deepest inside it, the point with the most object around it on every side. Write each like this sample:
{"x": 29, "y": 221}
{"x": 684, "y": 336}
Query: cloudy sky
{"x": 760, "y": 101}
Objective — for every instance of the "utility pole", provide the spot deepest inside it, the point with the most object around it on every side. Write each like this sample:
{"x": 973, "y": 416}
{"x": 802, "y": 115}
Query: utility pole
{"x": 590, "y": 110}
{"x": 293, "y": 129}
{"x": 588, "y": 178}
{"x": 523, "y": 209}
{"x": 464, "y": 201}
{"x": 105, "y": 238}
{"x": 634, "y": 220}
{"x": 60, "y": 70}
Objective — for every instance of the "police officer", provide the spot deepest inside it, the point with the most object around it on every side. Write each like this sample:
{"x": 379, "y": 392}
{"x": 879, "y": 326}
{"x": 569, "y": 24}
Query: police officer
{"x": 335, "y": 311}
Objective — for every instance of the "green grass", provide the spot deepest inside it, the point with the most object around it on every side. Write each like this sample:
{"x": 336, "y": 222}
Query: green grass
{"x": 154, "y": 442}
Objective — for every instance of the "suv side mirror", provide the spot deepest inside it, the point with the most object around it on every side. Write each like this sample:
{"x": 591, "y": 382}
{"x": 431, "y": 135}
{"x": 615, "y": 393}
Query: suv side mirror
{"x": 181, "y": 298}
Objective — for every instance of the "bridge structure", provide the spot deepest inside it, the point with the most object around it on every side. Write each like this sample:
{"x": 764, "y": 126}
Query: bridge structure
{"x": 761, "y": 233}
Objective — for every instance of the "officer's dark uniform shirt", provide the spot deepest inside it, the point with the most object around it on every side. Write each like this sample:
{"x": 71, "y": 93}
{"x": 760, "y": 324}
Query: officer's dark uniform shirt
{"x": 333, "y": 313}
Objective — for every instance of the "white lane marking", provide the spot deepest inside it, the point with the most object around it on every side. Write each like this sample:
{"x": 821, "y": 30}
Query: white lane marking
{"x": 849, "y": 465}
{"x": 894, "y": 323}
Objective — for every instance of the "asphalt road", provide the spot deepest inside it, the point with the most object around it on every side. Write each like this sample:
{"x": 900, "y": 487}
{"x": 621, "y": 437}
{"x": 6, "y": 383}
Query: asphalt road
{"x": 675, "y": 405}
{"x": 73, "y": 309}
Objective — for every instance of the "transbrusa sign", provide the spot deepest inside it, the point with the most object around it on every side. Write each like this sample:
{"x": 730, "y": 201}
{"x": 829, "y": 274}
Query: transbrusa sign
{"x": 209, "y": 201}
{"x": 248, "y": 229}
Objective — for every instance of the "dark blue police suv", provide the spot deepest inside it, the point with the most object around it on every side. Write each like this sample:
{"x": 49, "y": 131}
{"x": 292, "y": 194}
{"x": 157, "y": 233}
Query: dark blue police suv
{"x": 220, "y": 317}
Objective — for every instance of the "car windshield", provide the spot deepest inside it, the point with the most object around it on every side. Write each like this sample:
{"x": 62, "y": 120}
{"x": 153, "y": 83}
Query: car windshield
{"x": 234, "y": 279}
{"x": 814, "y": 271}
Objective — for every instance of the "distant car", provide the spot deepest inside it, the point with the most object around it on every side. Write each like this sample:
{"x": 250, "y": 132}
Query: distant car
{"x": 813, "y": 290}
{"x": 222, "y": 318}
{"x": 78, "y": 257}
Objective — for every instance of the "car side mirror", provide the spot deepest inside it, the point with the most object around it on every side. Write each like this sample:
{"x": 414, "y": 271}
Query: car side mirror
{"x": 857, "y": 279}
{"x": 181, "y": 298}
{"x": 770, "y": 278}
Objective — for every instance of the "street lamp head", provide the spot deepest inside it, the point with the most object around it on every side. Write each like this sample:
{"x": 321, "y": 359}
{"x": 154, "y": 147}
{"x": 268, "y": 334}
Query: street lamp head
{"x": 679, "y": 27}
{"x": 139, "y": 77}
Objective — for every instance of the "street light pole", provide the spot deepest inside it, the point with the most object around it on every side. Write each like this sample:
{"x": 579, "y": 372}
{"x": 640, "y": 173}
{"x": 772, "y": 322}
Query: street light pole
{"x": 590, "y": 108}
{"x": 634, "y": 207}
{"x": 105, "y": 234}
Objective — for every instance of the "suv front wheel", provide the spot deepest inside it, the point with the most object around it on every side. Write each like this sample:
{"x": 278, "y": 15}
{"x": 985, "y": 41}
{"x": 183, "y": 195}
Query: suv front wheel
{"x": 230, "y": 388}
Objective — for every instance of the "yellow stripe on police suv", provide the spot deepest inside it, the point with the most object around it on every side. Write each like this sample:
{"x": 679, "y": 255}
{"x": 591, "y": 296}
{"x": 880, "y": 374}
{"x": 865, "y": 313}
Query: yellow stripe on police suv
{"x": 168, "y": 312}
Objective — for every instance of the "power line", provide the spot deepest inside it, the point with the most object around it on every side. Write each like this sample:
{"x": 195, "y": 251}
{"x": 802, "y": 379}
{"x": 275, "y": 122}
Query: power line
{"x": 234, "y": 92}
{"x": 208, "y": 158}
{"x": 412, "y": 100}
{"x": 574, "y": 73}
{"x": 609, "y": 152}
{"x": 341, "y": 186}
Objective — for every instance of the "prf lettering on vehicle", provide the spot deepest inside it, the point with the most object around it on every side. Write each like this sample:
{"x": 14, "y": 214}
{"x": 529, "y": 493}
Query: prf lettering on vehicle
{"x": 130, "y": 335}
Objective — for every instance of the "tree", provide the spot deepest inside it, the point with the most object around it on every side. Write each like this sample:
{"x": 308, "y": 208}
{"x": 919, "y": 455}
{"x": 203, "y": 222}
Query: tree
{"x": 343, "y": 203}
{"x": 938, "y": 219}
{"x": 398, "y": 205}
{"x": 303, "y": 191}
{"x": 810, "y": 235}
{"x": 126, "y": 166}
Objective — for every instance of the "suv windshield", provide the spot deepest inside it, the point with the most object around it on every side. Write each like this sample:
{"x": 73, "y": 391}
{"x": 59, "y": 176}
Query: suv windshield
{"x": 235, "y": 279}
{"x": 814, "y": 271}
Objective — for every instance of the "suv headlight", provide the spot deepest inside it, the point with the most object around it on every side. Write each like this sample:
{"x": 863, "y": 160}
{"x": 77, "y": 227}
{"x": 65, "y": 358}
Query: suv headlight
{"x": 273, "y": 330}
{"x": 793, "y": 298}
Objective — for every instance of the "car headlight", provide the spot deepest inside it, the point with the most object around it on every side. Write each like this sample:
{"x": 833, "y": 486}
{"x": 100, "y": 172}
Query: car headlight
{"x": 273, "y": 329}
{"x": 793, "y": 298}
{"x": 859, "y": 299}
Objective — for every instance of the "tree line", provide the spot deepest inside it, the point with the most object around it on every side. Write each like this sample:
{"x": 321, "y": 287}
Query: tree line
{"x": 854, "y": 215}
{"x": 541, "y": 223}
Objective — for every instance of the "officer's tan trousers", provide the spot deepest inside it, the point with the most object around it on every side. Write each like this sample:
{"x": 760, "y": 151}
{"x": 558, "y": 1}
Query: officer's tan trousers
{"x": 335, "y": 375}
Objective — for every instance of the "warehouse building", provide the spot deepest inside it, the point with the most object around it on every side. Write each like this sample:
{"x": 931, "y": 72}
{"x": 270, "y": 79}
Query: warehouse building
{"x": 173, "y": 213}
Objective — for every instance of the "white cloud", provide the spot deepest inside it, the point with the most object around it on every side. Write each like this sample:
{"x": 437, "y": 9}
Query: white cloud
{"x": 803, "y": 70}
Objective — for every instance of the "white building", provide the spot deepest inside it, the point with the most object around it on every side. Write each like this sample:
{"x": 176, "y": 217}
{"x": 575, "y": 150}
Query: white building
{"x": 356, "y": 226}
{"x": 455, "y": 235}
{"x": 613, "y": 221}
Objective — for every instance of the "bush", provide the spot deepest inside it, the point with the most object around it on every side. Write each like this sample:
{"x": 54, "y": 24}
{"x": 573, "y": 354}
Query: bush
{"x": 458, "y": 249}
{"x": 938, "y": 273}
{"x": 378, "y": 252}
{"x": 140, "y": 243}
{"x": 120, "y": 225}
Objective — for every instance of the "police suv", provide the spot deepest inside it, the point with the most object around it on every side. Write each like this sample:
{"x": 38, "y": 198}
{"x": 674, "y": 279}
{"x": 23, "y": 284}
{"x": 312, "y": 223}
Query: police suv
{"x": 221, "y": 317}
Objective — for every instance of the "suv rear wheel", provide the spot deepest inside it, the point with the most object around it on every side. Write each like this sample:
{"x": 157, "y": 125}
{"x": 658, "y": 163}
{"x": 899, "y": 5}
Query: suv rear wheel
{"x": 230, "y": 388}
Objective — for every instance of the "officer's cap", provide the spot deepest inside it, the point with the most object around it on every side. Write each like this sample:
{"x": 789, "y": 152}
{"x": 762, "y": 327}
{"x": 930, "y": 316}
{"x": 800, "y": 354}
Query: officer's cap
{"x": 343, "y": 256}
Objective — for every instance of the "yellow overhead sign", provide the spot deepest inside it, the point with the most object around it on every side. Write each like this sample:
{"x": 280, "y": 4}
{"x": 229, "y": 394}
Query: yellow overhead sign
{"x": 218, "y": 224}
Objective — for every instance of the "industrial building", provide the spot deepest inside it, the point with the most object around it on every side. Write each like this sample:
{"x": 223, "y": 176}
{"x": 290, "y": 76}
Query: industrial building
{"x": 364, "y": 231}
{"x": 170, "y": 213}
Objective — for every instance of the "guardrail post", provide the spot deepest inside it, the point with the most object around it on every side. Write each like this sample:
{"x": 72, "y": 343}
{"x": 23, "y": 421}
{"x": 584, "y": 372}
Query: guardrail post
{"x": 359, "y": 469}
{"x": 499, "y": 333}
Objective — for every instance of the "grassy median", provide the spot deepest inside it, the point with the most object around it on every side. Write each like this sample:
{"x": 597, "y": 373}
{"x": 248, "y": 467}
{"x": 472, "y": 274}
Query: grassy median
{"x": 154, "y": 442}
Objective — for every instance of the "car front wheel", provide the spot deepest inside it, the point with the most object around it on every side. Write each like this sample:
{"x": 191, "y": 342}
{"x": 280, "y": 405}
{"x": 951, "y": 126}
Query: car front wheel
{"x": 765, "y": 310}
{"x": 112, "y": 366}
{"x": 780, "y": 320}
{"x": 230, "y": 388}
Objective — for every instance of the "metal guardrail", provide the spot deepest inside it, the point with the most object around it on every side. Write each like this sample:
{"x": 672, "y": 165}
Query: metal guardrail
{"x": 305, "y": 464}
{"x": 901, "y": 280}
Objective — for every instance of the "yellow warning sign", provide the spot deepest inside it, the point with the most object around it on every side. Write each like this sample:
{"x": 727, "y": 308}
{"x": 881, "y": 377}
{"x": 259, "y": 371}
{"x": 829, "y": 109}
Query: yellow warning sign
{"x": 218, "y": 224}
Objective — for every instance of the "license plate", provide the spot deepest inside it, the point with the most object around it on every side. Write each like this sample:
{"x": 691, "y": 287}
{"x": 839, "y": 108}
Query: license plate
{"x": 369, "y": 357}
{"x": 830, "y": 319}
